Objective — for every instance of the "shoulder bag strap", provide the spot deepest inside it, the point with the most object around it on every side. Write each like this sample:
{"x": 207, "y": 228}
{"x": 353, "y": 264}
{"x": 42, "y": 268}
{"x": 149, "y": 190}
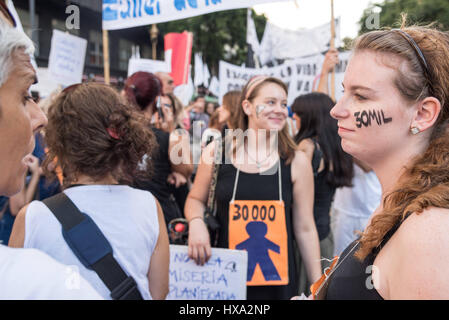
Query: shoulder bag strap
{"x": 218, "y": 158}
{"x": 91, "y": 247}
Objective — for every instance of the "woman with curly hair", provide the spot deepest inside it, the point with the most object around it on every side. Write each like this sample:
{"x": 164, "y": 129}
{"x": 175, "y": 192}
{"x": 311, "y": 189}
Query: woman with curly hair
{"x": 98, "y": 141}
{"x": 394, "y": 116}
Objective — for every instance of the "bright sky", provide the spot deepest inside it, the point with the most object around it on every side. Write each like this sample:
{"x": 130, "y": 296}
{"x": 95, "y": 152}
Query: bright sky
{"x": 312, "y": 13}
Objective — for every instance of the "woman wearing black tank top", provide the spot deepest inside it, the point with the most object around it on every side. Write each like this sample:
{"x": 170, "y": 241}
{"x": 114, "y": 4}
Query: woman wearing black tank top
{"x": 264, "y": 195}
{"x": 394, "y": 116}
{"x": 332, "y": 167}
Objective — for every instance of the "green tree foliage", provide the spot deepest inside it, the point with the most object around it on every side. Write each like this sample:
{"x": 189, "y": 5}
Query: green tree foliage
{"x": 218, "y": 36}
{"x": 420, "y": 12}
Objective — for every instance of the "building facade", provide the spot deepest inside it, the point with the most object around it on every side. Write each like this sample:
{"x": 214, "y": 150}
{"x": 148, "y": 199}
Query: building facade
{"x": 51, "y": 14}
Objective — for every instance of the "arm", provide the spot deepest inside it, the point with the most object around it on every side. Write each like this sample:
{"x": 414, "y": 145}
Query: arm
{"x": 308, "y": 148}
{"x": 330, "y": 60}
{"x": 160, "y": 260}
{"x": 180, "y": 155}
{"x": 303, "y": 222}
{"x": 420, "y": 252}
{"x": 17, "y": 238}
{"x": 26, "y": 195}
{"x": 199, "y": 242}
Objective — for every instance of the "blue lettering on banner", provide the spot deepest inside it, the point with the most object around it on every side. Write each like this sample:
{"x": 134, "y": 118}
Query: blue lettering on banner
{"x": 125, "y": 13}
{"x": 213, "y": 2}
{"x": 149, "y": 7}
{"x": 108, "y": 13}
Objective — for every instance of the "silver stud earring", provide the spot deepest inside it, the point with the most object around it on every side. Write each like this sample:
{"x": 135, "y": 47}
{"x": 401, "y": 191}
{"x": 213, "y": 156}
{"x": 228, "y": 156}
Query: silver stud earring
{"x": 414, "y": 130}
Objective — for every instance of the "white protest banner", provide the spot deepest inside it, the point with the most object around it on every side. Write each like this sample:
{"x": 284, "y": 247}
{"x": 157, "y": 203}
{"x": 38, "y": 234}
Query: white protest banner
{"x": 282, "y": 44}
{"x": 118, "y": 14}
{"x": 66, "y": 61}
{"x": 147, "y": 65}
{"x": 298, "y": 74}
{"x": 223, "y": 277}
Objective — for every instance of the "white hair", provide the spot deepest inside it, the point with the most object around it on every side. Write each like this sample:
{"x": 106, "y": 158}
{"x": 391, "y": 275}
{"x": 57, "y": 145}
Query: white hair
{"x": 11, "y": 39}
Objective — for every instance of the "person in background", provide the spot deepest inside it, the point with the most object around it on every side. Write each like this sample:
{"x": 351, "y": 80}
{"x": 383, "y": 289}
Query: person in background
{"x": 332, "y": 167}
{"x": 98, "y": 142}
{"x": 210, "y": 108}
{"x": 277, "y": 176}
{"x": 24, "y": 274}
{"x": 12, "y": 205}
{"x": 172, "y": 160}
{"x": 228, "y": 110}
{"x": 168, "y": 85}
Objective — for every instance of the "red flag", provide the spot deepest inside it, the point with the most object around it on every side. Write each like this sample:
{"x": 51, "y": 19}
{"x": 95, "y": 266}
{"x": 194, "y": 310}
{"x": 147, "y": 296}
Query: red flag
{"x": 181, "y": 46}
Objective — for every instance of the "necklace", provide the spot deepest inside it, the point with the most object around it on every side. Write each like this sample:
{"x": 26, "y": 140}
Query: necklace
{"x": 258, "y": 163}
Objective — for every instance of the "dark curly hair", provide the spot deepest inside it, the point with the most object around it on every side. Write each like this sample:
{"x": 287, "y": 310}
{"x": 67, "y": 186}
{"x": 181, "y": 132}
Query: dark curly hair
{"x": 92, "y": 131}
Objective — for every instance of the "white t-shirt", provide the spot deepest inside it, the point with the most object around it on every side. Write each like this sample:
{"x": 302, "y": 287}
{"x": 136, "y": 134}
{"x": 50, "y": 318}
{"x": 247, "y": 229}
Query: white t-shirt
{"x": 363, "y": 198}
{"x": 126, "y": 216}
{"x": 28, "y": 274}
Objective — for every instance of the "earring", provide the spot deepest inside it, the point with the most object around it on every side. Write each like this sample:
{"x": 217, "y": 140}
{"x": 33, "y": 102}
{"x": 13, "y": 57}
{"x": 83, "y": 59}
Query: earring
{"x": 414, "y": 130}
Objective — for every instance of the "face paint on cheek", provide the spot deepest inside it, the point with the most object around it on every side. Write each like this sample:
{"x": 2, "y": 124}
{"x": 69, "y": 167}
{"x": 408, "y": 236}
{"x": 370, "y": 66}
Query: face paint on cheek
{"x": 366, "y": 118}
{"x": 259, "y": 109}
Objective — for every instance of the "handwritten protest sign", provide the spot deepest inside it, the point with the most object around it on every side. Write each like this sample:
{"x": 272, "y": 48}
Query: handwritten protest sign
{"x": 300, "y": 75}
{"x": 119, "y": 14}
{"x": 67, "y": 54}
{"x": 223, "y": 277}
{"x": 147, "y": 65}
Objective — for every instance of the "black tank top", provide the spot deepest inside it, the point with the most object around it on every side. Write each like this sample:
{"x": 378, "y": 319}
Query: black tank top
{"x": 258, "y": 187}
{"x": 158, "y": 184}
{"x": 324, "y": 193}
{"x": 351, "y": 279}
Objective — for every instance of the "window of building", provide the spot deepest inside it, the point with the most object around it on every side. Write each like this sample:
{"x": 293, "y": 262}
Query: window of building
{"x": 95, "y": 48}
{"x": 125, "y": 52}
{"x": 60, "y": 25}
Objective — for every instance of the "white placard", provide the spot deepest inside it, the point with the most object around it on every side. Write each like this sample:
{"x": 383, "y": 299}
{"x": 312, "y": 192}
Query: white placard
{"x": 223, "y": 277}
{"x": 67, "y": 55}
{"x": 300, "y": 75}
{"x": 119, "y": 14}
{"x": 147, "y": 65}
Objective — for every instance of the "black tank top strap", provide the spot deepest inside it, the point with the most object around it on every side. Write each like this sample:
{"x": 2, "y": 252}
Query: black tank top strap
{"x": 389, "y": 234}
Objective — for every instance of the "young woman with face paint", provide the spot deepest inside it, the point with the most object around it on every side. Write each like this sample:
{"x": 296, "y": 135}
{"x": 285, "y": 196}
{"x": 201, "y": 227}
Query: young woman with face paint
{"x": 396, "y": 120}
{"x": 264, "y": 195}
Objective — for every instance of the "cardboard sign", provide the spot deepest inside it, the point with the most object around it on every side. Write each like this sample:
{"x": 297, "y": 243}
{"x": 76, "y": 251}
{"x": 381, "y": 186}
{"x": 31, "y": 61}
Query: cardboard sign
{"x": 66, "y": 61}
{"x": 259, "y": 227}
{"x": 223, "y": 277}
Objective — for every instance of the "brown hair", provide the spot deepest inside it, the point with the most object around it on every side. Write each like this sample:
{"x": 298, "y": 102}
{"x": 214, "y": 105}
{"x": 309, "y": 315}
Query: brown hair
{"x": 287, "y": 145}
{"x": 231, "y": 103}
{"x": 78, "y": 134}
{"x": 213, "y": 121}
{"x": 425, "y": 183}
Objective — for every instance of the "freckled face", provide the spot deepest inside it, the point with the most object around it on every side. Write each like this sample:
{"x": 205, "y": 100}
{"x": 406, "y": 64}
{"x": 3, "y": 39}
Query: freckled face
{"x": 268, "y": 110}
{"x": 373, "y": 118}
{"x": 20, "y": 118}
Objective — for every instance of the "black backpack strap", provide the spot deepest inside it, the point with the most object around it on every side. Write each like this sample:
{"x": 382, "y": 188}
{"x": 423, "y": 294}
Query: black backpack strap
{"x": 91, "y": 247}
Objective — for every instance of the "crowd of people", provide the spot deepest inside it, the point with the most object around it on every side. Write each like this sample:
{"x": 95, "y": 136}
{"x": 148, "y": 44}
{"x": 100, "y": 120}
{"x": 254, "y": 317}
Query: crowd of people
{"x": 99, "y": 181}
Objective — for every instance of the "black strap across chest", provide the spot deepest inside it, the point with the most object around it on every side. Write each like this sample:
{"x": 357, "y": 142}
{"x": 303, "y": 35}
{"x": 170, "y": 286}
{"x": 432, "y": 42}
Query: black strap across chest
{"x": 91, "y": 247}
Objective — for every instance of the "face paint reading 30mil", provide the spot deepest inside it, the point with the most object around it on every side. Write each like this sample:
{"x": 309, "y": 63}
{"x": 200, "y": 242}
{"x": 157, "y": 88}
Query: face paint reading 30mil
{"x": 365, "y": 117}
